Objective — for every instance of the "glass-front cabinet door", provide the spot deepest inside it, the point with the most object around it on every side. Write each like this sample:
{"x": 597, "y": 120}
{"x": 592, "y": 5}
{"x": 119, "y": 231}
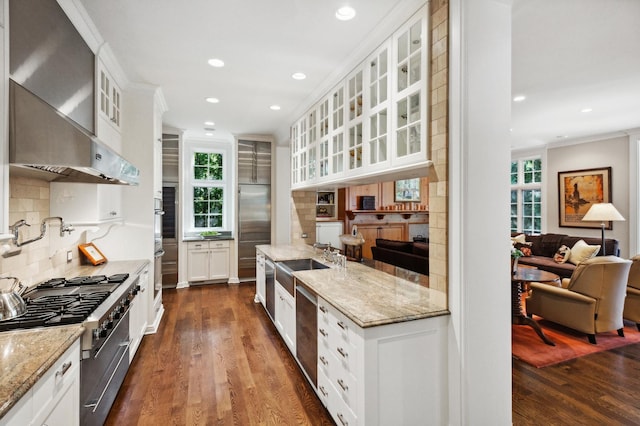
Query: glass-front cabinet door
{"x": 355, "y": 93}
{"x": 378, "y": 80}
{"x": 312, "y": 144}
{"x": 409, "y": 92}
{"x": 337, "y": 145}
{"x": 324, "y": 156}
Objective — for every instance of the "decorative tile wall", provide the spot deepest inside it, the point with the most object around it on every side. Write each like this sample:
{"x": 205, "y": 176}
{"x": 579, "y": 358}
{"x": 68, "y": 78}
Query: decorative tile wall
{"x": 47, "y": 257}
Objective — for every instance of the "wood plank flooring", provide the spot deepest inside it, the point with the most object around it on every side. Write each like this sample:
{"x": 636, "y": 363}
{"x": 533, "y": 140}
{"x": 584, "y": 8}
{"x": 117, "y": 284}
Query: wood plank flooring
{"x": 216, "y": 360}
{"x": 597, "y": 389}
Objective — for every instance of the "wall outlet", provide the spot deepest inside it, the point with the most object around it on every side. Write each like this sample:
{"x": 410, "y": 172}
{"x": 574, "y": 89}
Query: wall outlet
{"x": 305, "y": 235}
{"x": 69, "y": 256}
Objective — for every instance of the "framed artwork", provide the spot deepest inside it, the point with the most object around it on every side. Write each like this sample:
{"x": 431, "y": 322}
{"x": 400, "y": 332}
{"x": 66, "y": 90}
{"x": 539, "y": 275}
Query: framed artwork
{"x": 407, "y": 190}
{"x": 578, "y": 190}
{"x": 92, "y": 253}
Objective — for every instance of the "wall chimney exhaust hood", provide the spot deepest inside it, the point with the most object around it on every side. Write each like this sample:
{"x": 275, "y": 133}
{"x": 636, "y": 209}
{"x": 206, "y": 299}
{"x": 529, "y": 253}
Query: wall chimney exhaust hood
{"x": 41, "y": 138}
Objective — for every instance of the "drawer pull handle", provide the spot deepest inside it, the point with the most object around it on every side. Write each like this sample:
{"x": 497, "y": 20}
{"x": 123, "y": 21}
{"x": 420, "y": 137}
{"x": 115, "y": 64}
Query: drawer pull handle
{"x": 324, "y": 360}
{"x": 322, "y": 308}
{"x": 324, "y": 392}
{"x": 341, "y": 325}
{"x": 342, "y": 420}
{"x": 342, "y": 385}
{"x": 343, "y": 353}
{"x": 324, "y": 333}
{"x": 65, "y": 367}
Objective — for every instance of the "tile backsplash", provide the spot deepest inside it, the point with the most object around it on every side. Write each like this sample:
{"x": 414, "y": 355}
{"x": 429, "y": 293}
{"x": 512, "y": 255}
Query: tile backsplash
{"x": 47, "y": 257}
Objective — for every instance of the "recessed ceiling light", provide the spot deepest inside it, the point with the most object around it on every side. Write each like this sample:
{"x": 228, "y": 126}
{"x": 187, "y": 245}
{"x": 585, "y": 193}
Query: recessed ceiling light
{"x": 586, "y": 110}
{"x": 299, "y": 76}
{"x": 345, "y": 13}
{"x": 562, "y": 136}
{"x": 216, "y": 63}
{"x": 275, "y": 107}
{"x": 209, "y": 123}
{"x": 208, "y": 134}
{"x": 213, "y": 100}
{"x": 519, "y": 98}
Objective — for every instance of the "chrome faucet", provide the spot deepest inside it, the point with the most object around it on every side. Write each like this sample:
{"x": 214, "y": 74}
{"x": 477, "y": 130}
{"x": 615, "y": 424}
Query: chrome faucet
{"x": 43, "y": 229}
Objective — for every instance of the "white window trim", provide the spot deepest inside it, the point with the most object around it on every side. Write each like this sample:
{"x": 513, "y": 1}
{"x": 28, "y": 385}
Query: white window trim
{"x": 529, "y": 186}
{"x": 224, "y": 148}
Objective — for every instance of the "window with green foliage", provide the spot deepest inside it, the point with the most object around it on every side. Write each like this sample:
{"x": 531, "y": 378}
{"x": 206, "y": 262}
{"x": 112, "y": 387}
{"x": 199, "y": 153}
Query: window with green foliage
{"x": 208, "y": 197}
{"x": 526, "y": 195}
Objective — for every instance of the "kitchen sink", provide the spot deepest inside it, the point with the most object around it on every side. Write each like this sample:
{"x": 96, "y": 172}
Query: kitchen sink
{"x": 303, "y": 264}
{"x": 285, "y": 269}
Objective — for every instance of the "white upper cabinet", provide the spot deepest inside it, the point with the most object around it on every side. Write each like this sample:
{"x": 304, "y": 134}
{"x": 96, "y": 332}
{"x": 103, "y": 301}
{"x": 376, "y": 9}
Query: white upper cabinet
{"x": 374, "y": 121}
{"x": 378, "y": 75}
{"x": 108, "y": 106}
{"x": 409, "y": 92}
{"x": 355, "y": 96}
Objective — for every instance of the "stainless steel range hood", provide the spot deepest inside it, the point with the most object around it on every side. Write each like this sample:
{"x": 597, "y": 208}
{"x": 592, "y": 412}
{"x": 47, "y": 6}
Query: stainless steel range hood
{"x": 41, "y": 138}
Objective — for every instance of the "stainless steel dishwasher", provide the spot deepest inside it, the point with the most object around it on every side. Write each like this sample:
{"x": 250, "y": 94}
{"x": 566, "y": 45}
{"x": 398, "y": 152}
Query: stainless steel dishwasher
{"x": 307, "y": 332}
{"x": 270, "y": 290}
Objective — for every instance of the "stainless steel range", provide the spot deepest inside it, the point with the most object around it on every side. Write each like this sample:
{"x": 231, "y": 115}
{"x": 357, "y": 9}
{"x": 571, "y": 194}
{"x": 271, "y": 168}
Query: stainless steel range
{"x": 101, "y": 304}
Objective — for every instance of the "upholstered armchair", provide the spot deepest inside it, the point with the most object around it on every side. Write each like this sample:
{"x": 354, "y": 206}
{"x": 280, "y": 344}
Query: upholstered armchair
{"x": 591, "y": 301}
{"x": 632, "y": 301}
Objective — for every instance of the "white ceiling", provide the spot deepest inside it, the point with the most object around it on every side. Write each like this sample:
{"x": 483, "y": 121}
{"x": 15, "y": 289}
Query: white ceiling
{"x": 567, "y": 55}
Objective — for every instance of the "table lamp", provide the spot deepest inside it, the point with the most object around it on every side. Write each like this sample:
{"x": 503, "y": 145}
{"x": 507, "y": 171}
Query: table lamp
{"x": 602, "y": 212}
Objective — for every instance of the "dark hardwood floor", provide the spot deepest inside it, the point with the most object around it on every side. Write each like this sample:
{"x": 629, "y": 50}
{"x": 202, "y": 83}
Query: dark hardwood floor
{"x": 218, "y": 360}
{"x": 597, "y": 389}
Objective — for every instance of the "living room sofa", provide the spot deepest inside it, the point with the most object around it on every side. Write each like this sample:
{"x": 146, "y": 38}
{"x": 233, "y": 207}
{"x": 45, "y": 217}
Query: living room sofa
{"x": 410, "y": 255}
{"x": 544, "y": 246}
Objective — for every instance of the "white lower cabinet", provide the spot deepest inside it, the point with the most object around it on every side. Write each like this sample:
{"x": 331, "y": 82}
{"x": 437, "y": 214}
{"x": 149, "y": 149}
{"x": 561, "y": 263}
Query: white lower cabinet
{"x": 285, "y": 319}
{"x": 388, "y": 374}
{"x": 208, "y": 260}
{"x": 138, "y": 313}
{"x": 53, "y": 400}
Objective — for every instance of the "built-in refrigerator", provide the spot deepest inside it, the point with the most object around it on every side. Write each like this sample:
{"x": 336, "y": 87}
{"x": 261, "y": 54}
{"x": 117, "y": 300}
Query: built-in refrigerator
{"x": 254, "y": 203}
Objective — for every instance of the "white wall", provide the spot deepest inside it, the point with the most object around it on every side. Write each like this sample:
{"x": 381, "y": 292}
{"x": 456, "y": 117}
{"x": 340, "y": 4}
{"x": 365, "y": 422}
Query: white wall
{"x": 611, "y": 152}
{"x": 281, "y": 219}
{"x": 479, "y": 350}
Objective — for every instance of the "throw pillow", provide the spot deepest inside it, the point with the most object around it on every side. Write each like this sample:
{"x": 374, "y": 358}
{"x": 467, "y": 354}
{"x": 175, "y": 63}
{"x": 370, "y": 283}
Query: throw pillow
{"x": 525, "y": 248}
{"x": 562, "y": 255}
{"x": 519, "y": 239}
{"x": 582, "y": 251}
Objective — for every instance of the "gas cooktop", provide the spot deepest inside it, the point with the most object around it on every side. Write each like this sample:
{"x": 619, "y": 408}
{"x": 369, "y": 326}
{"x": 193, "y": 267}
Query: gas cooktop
{"x": 60, "y": 301}
{"x": 50, "y": 310}
{"x": 77, "y": 285}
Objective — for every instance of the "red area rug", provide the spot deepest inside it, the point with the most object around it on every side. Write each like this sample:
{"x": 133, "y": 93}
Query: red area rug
{"x": 527, "y": 346}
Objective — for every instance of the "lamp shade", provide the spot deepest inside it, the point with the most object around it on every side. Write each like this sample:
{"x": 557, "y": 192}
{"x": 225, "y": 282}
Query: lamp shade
{"x": 602, "y": 212}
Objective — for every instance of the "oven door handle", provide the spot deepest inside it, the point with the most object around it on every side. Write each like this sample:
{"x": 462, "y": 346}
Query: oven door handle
{"x": 125, "y": 353}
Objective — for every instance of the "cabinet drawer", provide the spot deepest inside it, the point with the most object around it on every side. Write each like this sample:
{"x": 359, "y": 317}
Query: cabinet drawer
{"x": 56, "y": 379}
{"x": 340, "y": 411}
{"x": 205, "y": 245}
{"x": 324, "y": 388}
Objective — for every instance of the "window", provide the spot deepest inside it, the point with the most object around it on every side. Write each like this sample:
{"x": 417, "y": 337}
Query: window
{"x": 526, "y": 196}
{"x": 207, "y": 194}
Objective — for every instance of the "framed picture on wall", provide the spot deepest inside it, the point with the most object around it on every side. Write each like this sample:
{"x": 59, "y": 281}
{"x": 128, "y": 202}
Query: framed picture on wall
{"x": 407, "y": 190}
{"x": 578, "y": 190}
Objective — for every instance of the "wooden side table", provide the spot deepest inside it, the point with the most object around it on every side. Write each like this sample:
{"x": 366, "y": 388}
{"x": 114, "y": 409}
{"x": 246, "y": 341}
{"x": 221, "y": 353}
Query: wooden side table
{"x": 522, "y": 277}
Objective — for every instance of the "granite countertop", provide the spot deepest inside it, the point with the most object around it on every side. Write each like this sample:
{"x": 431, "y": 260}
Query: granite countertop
{"x": 195, "y": 236}
{"x": 368, "y": 295}
{"x": 26, "y": 355}
{"x": 282, "y": 252}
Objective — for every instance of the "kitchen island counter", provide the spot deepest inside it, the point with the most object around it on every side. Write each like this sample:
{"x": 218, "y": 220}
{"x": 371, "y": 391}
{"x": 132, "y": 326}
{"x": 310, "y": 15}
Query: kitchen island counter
{"x": 26, "y": 355}
{"x": 367, "y": 295}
